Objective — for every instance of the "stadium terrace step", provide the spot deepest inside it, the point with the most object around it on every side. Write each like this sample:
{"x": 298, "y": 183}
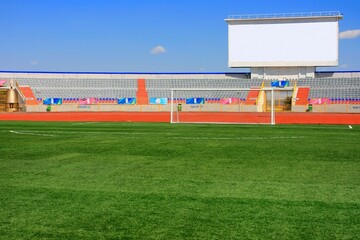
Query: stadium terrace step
{"x": 142, "y": 94}
{"x": 302, "y": 96}
{"x": 252, "y": 97}
{"x": 29, "y": 95}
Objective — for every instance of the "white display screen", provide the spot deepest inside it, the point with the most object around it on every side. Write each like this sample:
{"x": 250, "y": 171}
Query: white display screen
{"x": 283, "y": 44}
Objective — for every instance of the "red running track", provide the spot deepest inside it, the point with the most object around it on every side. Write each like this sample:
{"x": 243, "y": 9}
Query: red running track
{"x": 281, "y": 118}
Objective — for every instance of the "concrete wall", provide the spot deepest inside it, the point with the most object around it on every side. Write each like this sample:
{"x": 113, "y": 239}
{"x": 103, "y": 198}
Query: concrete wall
{"x": 337, "y": 108}
{"x": 282, "y": 72}
{"x": 142, "y": 108}
{"x": 337, "y": 74}
{"x": 99, "y": 108}
{"x": 341, "y": 108}
{"x": 330, "y": 108}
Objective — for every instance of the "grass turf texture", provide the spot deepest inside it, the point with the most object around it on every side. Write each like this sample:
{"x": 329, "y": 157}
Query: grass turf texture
{"x": 162, "y": 181}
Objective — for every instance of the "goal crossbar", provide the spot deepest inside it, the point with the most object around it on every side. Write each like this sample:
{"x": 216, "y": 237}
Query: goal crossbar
{"x": 266, "y": 89}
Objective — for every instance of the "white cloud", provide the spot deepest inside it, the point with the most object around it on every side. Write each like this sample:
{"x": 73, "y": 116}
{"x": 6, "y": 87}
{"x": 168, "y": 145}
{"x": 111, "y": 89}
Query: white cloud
{"x": 350, "y": 34}
{"x": 34, "y": 62}
{"x": 158, "y": 50}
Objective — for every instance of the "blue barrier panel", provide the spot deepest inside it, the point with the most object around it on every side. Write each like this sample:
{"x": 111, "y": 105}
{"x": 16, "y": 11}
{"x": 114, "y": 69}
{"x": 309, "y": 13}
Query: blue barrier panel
{"x": 47, "y": 101}
{"x": 126, "y": 100}
{"x": 195, "y": 101}
{"x": 57, "y": 101}
{"x": 281, "y": 84}
{"x": 52, "y": 101}
{"x": 158, "y": 100}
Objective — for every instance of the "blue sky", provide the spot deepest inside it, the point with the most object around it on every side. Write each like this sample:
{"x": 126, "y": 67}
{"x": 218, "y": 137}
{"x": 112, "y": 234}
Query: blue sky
{"x": 143, "y": 35}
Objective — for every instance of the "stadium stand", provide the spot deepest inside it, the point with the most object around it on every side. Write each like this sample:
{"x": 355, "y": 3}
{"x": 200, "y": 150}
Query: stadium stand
{"x": 115, "y": 88}
{"x": 161, "y": 87}
{"x": 107, "y": 90}
{"x": 80, "y": 88}
{"x": 333, "y": 88}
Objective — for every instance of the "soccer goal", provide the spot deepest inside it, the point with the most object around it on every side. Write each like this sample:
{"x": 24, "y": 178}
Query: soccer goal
{"x": 232, "y": 105}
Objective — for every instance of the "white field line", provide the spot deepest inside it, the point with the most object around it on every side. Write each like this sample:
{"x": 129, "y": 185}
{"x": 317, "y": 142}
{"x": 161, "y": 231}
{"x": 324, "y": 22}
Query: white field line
{"x": 168, "y": 135}
{"x": 91, "y": 132}
{"x": 31, "y": 133}
{"x": 241, "y": 138}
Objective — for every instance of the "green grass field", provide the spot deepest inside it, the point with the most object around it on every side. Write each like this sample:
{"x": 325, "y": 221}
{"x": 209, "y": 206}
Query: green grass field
{"x": 163, "y": 181}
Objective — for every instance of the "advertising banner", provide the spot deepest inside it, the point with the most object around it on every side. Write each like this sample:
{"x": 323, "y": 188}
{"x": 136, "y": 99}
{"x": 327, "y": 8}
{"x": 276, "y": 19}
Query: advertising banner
{"x": 158, "y": 100}
{"x": 88, "y": 101}
{"x": 52, "y": 101}
{"x": 281, "y": 84}
{"x": 195, "y": 101}
{"x": 126, "y": 100}
{"x": 319, "y": 101}
{"x": 229, "y": 101}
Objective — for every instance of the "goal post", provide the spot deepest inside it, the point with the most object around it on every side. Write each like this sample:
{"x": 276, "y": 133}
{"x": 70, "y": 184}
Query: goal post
{"x": 222, "y": 105}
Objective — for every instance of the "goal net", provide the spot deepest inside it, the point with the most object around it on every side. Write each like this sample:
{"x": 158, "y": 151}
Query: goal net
{"x": 242, "y": 106}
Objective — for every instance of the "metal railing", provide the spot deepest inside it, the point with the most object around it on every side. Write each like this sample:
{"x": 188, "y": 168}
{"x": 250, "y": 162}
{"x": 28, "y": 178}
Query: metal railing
{"x": 285, "y": 15}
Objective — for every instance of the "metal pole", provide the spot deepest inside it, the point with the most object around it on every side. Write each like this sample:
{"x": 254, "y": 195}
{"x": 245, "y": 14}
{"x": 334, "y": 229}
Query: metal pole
{"x": 171, "y": 106}
{"x": 272, "y": 107}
